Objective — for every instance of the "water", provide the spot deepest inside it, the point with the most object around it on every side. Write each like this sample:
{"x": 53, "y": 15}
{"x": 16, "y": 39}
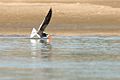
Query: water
{"x": 64, "y": 58}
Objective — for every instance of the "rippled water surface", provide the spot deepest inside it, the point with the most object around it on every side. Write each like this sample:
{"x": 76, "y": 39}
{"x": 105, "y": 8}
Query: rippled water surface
{"x": 64, "y": 58}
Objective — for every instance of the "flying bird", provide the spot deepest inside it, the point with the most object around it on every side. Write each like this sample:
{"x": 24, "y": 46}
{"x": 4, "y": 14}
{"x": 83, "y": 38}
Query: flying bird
{"x": 40, "y": 33}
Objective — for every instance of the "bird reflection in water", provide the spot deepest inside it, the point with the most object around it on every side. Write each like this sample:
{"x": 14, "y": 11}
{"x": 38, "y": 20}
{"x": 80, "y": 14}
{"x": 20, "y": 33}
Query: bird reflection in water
{"x": 41, "y": 53}
{"x": 41, "y": 49}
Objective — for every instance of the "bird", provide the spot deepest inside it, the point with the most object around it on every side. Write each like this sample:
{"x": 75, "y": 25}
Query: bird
{"x": 40, "y": 33}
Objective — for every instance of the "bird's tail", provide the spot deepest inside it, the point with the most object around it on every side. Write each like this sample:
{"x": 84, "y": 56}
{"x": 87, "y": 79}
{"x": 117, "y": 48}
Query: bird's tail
{"x": 34, "y": 33}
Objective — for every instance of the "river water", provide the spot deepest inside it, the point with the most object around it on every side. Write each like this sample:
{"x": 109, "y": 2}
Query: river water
{"x": 64, "y": 58}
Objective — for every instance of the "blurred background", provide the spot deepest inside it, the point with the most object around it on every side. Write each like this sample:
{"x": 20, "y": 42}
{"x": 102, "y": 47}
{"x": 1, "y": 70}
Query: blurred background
{"x": 70, "y": 17}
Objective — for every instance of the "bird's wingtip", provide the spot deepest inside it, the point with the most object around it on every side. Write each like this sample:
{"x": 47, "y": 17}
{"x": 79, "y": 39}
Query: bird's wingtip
{"x": 50, "y": 8}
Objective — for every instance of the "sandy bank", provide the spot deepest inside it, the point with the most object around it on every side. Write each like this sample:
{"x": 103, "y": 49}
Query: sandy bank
{"x": 20, "y": 18}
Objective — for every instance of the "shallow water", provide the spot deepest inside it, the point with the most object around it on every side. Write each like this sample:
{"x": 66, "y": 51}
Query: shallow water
{"x": 64, "y": 58}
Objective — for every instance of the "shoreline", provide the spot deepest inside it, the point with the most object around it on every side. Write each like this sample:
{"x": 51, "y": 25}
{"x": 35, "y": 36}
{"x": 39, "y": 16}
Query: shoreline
{"x": 65, "y": 33}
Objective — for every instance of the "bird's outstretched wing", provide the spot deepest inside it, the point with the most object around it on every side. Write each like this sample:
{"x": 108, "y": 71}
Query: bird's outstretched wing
{"x": 45, "y": 22}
